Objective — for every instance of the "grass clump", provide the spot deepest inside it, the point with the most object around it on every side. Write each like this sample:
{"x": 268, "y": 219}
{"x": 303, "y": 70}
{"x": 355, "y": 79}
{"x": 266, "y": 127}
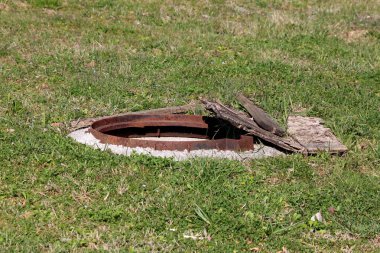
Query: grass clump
{"x": 45, "y": 3}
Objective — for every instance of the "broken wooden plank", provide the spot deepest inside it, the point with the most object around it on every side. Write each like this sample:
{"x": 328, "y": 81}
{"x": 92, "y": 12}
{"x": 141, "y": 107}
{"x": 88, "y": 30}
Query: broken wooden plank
{"x": 313, "y": 135}
{"x": 82, "y": 123}
{"x": 260, "y": 116}
{"x": 242, "y": 122}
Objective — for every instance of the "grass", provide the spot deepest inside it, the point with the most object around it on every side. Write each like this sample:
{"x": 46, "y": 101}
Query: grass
{"x": 65, "y": 59}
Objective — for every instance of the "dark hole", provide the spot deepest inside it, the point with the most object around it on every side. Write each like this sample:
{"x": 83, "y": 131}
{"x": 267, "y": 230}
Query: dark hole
{"x": 216, "y": 130}
{"x": 163, "y": 131}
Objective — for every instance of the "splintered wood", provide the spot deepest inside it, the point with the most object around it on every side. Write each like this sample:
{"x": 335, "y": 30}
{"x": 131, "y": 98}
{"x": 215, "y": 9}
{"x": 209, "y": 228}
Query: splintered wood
{"x": 306, "y": 135}
{"x": 242, "y": 122}
{"x": 260, "y": 116}
{"x": 313, "y": 135}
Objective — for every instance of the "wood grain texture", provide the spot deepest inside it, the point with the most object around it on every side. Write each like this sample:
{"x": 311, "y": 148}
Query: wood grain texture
{"x": 262, "y": 119}
{"x": 240, "y": 121}
{"x": 313, "y": 135}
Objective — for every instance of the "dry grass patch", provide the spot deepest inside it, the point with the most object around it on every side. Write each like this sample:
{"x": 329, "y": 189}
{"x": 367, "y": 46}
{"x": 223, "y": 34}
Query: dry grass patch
{"x": 355, "y": 35}
{"x": 285, "y": 57}
{"x": 238, "y": 28}
{"x": 281, "y": 18}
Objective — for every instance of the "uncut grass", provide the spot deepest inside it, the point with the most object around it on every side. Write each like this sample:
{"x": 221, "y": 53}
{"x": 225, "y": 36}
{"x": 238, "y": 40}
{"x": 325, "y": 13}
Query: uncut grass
{"x": 61, "y": 60}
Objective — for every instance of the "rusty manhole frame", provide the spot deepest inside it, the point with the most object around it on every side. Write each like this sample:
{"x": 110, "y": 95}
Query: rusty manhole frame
{"x": 197, "y": 126}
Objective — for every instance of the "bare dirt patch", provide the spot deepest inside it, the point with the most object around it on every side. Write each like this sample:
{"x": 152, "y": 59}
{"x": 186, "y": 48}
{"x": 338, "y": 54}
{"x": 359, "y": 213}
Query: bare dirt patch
{"x": 49, "y": 12}
{"x": 355, "y": 35}
{"x": 376, "y": 241}
{"x": 21, "y": 4}
{"x": 4, "y": 7}
{"x": 338, "y": 236}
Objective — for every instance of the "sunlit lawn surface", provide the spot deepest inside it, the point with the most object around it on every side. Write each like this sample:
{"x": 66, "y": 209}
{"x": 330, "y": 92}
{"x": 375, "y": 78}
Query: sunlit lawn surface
{"x": 66, "y": 59}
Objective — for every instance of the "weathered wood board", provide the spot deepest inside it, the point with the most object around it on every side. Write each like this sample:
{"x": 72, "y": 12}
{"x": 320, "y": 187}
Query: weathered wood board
{"x": 313, "y": 135}
{"x": 260, "y": 116}
{"x": 240, "y": 121}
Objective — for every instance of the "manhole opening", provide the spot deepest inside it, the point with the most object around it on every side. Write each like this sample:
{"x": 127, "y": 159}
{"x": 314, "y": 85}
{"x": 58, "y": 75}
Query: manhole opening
{"x": 198, "y": 132}
{"x": 211, "y": 133}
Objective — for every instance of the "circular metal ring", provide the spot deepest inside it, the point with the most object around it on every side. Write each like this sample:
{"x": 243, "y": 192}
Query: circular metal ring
{"x": 130, "y": 130}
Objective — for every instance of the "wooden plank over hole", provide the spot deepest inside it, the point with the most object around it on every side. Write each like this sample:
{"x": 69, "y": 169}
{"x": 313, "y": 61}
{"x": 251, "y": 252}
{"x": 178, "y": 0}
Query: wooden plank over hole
{"x": 241, "y": 121}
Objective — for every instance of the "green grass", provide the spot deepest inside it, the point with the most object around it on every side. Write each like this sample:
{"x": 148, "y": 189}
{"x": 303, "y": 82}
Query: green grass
{"x": 65, "y": 59}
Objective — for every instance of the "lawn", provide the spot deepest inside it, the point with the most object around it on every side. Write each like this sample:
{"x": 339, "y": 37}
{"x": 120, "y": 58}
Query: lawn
{"x": 66, "y": 59}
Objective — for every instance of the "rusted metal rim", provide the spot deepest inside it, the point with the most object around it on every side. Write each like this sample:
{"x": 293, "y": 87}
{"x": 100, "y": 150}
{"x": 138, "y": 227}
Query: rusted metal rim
{"x": 126, "y": 130}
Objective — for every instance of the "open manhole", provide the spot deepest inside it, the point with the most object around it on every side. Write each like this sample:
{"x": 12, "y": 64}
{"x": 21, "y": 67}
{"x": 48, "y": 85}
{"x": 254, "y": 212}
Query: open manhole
{"x": 170, "y": 132}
